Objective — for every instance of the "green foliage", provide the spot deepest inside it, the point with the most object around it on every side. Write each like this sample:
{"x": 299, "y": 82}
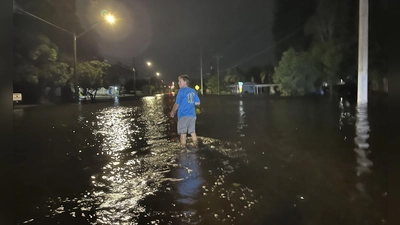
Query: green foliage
{"x": 212, "y": 84}
{"x": 331, "y": 58}
{"x": 44, "y": 51}
{"x": 295, "y": 73}
{"x": 298, "y": 72}
{"x": 40, "y": 66}
{"x": 51, "y": 74}
{"x": 329, "y": 32}
{"x": 57, "y": 74}
{"x": 27, "y": 73}
{"x": 91, "y": 73}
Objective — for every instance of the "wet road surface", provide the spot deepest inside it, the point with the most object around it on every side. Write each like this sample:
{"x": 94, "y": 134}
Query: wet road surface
{"x": 260, "y": 161}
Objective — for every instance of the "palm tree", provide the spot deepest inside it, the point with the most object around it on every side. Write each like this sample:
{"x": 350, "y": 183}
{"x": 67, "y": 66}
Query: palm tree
{"x": 234, "y": 75}
{"x": 263, "y": 75}
{"x": 266, "y": 73}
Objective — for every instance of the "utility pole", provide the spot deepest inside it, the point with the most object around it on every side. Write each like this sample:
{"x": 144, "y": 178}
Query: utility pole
{"x": 75, "y": 74}
{"x": 134, "y": 75}
{"x": 75, "y": 37}
{"x": 362, "y": 86}
{"x": 218, "y": 57}
{"x": 201, "y": 71}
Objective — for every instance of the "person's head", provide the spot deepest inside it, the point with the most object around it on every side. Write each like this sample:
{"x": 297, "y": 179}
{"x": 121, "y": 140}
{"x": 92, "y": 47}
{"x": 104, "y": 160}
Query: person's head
{"x": 183, "y": 81}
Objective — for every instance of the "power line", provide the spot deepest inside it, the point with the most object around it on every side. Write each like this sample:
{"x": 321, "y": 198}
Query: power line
{"x": 262, "y": 51}
{"x": 286, "y": 15}
{"x": 125, "y": 67}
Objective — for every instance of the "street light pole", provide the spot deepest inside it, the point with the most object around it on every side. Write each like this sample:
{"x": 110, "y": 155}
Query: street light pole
{"x": 134, "y": 79}
{"x": 134, "y": 74}
{"x": 109, "y": 18}
{"x": 201, "y": 70}
{"x": 218, "y": 57}
{"x": 362, "y": 83}
{"x": 75, "y": 74}
{"x": 149, "y": 65}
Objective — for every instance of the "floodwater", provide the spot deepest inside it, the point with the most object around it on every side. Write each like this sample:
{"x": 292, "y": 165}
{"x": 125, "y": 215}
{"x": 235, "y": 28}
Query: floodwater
{"x": 260, "y": 160}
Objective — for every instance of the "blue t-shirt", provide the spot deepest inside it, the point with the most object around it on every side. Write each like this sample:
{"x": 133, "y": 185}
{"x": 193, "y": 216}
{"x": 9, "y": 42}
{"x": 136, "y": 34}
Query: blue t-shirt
{"x": 186, "y": 99}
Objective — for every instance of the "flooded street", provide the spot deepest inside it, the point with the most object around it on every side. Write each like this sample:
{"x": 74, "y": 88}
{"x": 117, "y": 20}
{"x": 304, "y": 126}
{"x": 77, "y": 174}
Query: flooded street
{"x": 260, "y": 161}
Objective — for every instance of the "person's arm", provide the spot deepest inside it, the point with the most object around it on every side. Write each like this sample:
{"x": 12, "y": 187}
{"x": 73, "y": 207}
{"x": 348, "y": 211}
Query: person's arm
{"x": 173, "y": 111}
{"x": 196, "y": 100}
{"x": 176, "y": 105}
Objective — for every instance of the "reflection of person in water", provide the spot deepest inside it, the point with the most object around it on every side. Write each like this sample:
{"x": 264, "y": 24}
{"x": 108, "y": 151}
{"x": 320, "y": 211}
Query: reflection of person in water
{"x": 189, "y": 171}
{"x": 186, "y": 102}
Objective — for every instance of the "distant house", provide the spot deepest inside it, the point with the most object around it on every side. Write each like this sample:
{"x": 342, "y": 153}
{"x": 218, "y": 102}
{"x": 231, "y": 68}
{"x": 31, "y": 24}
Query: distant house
{"x": 247, "y": 87}
{"x": 112, "y": 90}
{"x": 251, "y": 87}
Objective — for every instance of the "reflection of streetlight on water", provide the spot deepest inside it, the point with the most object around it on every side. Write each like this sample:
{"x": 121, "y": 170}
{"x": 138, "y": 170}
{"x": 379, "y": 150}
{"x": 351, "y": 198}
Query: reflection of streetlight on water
{"x": 241, "y": 123}
{"x": 107, "y": 17}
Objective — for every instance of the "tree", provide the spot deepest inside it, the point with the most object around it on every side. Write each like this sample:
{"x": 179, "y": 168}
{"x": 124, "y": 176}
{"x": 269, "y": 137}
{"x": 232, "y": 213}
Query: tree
{"x": 289, "y": 15}
{"x": 331, "y": 59}
{"x": 295, "y": 73}
{"x": 266, "y": 74}
{"x": 331, "y": 36}
{"x": 234, "y": 75}
{"x": 43, "y": 53}
{"x": 91, "y": 75}
{"x": 39, "y": 66}
{"x": 253, "y": 74}
{"x": 212, "y": 84}
{"x": 330, "y": 49}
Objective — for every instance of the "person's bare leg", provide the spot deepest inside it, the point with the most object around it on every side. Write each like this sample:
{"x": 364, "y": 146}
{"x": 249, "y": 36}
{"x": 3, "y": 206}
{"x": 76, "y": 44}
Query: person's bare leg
{"x": 183, "y": 139}
{"x": 194, "y": 138}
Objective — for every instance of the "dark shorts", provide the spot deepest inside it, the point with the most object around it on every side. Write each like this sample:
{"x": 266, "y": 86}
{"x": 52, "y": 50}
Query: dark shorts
{"x": 186, "y": 124}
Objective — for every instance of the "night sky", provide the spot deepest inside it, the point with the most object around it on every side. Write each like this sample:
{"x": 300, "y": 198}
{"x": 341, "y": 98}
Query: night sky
{"x": 169, "y": 33}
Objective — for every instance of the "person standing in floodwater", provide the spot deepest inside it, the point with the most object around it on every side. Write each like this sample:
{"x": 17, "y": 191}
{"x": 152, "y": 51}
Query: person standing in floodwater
{"x": 186, "y": 102}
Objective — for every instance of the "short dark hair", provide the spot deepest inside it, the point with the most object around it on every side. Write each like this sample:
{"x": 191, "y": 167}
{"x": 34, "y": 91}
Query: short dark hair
{"x": 185, "y": 78}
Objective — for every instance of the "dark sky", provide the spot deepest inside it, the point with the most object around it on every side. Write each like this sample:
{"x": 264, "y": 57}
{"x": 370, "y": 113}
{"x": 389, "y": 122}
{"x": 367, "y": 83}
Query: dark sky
{"x": 169, "y": 33}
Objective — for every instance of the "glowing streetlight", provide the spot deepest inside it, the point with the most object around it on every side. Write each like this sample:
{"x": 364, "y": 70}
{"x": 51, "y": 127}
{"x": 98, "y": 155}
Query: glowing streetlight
{"x": 110, "y": 19}
{"x": 149, "y": 63}
{"x": 158, "y": 74}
